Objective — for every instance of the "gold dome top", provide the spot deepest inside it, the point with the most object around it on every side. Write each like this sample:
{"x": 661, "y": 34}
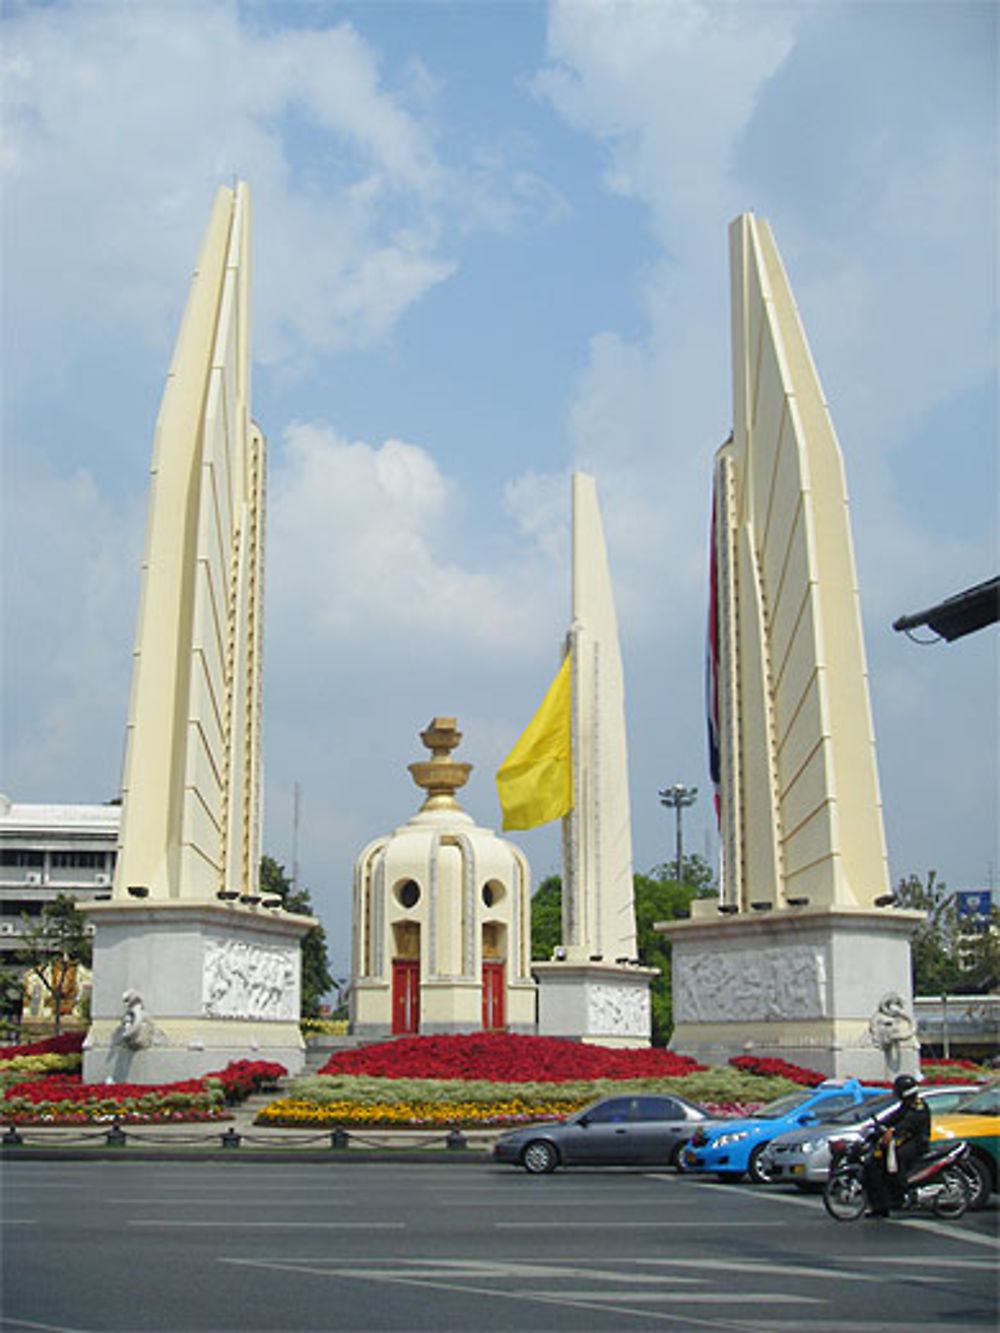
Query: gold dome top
{"x": 440, "y": 776}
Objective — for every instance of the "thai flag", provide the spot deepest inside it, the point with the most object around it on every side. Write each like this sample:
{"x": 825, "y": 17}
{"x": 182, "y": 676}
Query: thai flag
{"x": 712, "y": 673}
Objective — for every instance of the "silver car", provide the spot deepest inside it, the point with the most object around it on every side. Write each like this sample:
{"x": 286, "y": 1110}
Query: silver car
{"x": 638, "y": 1129}
{"x": 802, "y": 1156}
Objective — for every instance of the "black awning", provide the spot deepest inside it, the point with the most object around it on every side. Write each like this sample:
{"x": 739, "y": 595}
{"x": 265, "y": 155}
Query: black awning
{"x": 959, "y": 615}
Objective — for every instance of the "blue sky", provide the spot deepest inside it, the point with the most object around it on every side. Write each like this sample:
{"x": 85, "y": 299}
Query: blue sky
{"x": 491, "y": 247}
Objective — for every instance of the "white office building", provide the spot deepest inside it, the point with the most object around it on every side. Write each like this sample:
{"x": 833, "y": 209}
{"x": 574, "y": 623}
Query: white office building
{"x": 46, "y": 850}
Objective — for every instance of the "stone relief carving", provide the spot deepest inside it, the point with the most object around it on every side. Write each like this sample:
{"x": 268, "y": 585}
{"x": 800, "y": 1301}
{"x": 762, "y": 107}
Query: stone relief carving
{"x": 891, "y": 1023}
{"x": 758, "y": 986}
{"x": 618, "y": 1010}
{"x": 241, "y": 980}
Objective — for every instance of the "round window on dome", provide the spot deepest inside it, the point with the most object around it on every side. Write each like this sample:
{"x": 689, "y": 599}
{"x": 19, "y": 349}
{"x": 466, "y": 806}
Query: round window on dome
{"x": 408, "y": 893}
{"x": 493, "y": 893}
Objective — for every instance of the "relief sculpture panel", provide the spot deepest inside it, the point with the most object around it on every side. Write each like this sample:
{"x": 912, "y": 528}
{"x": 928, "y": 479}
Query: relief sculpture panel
{"x": 241, "y": 980}
{"x": 756, "y": 985}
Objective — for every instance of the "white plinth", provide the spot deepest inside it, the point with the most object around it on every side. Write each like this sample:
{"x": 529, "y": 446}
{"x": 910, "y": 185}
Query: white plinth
{"x": 216, "y": 983}
{"x": 808, "y": 986}
{"x": 603, "y": 1004}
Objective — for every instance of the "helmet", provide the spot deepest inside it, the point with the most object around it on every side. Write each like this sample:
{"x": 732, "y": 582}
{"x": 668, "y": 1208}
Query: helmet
{"x": 905, "y": 1085}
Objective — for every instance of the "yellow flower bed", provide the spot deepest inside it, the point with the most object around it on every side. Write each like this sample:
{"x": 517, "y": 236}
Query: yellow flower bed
{"x": 289, "y": 1112}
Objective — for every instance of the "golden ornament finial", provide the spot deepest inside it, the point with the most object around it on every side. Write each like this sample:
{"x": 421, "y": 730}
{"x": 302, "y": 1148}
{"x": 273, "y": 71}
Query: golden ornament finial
{"x": 440, "y": 776}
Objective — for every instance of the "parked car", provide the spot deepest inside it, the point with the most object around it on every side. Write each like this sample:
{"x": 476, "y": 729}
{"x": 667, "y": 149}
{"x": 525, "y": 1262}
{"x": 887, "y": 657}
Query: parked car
{"x": 802, "y": 1156}
{"x": 638, "y": 1130}
{"x": 736, "y": 1148}
{"x": 977, "y": 1121}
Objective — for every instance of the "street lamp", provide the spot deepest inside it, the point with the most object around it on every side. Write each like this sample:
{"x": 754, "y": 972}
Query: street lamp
{"x": 676, "y": 798}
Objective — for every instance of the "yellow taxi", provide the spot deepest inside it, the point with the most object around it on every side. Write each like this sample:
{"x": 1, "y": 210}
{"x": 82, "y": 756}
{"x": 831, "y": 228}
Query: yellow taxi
{"x": 977, "y": 1121}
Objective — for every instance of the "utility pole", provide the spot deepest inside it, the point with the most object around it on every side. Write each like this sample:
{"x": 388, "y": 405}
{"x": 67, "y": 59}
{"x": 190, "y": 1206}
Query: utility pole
{"x": 676, "y": 798}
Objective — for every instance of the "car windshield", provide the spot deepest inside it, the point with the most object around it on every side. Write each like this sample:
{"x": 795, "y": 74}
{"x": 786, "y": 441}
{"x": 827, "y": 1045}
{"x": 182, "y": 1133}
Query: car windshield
{"x": 984, "y": 1102}
{"x": 782, "y": 1107}
{"x": 850, "y": 1115}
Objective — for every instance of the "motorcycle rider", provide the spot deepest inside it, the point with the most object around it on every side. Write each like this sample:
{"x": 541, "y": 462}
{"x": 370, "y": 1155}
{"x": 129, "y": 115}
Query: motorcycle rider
{"x": 904, "y": 1133}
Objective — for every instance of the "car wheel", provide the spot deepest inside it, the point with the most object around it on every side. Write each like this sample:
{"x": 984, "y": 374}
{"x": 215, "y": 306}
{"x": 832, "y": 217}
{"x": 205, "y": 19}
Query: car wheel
{"x": 539, "y": 1157}
{"x": 756, "y": 1169}
{"x": 677, "y": 1157}
{"x": 978, "y": 1181}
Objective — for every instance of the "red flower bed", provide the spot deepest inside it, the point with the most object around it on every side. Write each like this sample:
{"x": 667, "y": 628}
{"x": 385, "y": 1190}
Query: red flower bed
{"x": 67, "y": 1043}
{"x": 760, "y": 1064}
{"x": 504, "y": 1058}
{"x": 62, "y": 1089}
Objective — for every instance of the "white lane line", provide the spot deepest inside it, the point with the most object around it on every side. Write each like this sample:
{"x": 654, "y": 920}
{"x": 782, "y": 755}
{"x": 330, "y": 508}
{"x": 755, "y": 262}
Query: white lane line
{"x": 563, "y": 1225}
{"x": 9, "y": 1322}
{"x": 790, "y": 1269}
{"x": 687, "y": 1321}
{"x": 269, "y": 1226}
{"x": 696, "y": 1297}
{"x": 951, "y": 1232}
{"x": 980, "y": 1265}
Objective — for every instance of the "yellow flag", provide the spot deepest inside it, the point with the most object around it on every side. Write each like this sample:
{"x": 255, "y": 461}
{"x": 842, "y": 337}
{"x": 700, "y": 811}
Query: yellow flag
{"x": 535, "y": 781}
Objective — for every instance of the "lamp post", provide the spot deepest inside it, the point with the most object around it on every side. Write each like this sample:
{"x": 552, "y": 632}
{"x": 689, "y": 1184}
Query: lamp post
{"x": 676, "y": 798}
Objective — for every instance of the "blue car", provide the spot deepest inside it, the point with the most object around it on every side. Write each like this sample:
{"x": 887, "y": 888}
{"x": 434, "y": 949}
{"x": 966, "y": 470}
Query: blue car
{"x": 734, "y": 1148}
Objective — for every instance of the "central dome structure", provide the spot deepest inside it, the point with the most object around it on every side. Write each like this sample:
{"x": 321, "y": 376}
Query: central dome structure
{"x": 442, "y": 916}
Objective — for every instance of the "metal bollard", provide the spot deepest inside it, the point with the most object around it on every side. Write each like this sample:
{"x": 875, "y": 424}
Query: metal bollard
{"x": 339, "y": 1138}
{"x": 12, "y": 1138}
{"x": 116, "y": 1136}
{"x": 455, "y": 1139}
{"x": 231, "y": 1139}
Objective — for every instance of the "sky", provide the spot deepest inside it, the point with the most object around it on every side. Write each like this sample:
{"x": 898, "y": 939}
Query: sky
{"x": 491, "y": 248}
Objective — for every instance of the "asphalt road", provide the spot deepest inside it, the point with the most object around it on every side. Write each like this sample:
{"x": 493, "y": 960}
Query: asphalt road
{"x": 366, "y": 1247}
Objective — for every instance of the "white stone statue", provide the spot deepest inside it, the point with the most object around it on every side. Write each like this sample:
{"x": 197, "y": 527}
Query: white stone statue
{"x": 135, "y": 1029}
{"x": 890, "y": 1025}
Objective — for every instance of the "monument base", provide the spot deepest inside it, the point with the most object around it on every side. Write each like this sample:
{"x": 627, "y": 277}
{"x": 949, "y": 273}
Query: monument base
{"x": 182, "y": 989}
{"x": 826, "y": 988}
{"x": 602, "y": 1003}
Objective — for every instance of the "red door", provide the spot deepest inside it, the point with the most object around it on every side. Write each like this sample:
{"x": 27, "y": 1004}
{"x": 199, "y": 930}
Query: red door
{"x": 493, "y": 996}
{"x": 405, "y": 995}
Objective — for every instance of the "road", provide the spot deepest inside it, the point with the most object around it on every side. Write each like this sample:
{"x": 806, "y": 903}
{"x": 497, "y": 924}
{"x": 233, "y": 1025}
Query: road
{"x": 365, "y": 1247}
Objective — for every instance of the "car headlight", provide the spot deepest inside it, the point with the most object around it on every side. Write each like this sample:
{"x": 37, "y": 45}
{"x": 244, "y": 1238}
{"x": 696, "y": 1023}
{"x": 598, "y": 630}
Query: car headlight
{"x": 724, "y": 1140}
{"x": 809, "y": 1146}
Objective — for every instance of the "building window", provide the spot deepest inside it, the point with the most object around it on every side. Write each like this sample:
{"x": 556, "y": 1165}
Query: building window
{"x": 78, "y": 860}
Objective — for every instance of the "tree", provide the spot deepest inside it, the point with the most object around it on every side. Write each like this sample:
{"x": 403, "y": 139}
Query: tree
{"x": 656, "y": 899}
{"x": 949, "y": 956}
{"x": 316, "y": 976}
{"x": 696, "y": 873}
{"x": 546, "y": 918}
{"x": 54, "y": 945}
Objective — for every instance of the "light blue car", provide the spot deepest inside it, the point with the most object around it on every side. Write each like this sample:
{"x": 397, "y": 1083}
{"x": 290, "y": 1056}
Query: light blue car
{"x": 734, "y": 1149}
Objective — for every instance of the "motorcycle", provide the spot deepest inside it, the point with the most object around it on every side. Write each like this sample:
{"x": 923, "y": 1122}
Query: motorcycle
{"x": 936, "y": 1180}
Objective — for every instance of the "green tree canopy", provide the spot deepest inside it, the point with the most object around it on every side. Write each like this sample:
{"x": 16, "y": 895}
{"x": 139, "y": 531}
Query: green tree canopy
{"x": 316, "y": 976}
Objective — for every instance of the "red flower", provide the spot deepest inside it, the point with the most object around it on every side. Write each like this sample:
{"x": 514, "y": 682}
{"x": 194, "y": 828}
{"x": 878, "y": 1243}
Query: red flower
{"x": 507, "y": 1058}
{"x": 762, "y": 1064}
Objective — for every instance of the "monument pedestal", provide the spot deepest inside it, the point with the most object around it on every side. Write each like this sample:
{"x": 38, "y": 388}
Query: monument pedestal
{"x": 826, "y": 988}
{"x": 605, "y": 1004}
{"x": 181, "y": 989}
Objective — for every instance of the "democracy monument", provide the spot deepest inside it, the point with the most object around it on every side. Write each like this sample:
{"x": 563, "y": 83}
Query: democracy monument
{"x": 801, "y": 956}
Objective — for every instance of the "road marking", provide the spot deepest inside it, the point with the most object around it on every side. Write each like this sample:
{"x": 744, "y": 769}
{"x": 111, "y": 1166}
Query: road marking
{"x": 757, "y": 1266}
{"x": 401, "y": 1278}
{"x": 949, "y": 1231}
{"x": 634, "y": 1226}
{"x": 269, "y": 1225}
{"x": 987, "y": 1265}
{"x": 698, "y": 1297}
